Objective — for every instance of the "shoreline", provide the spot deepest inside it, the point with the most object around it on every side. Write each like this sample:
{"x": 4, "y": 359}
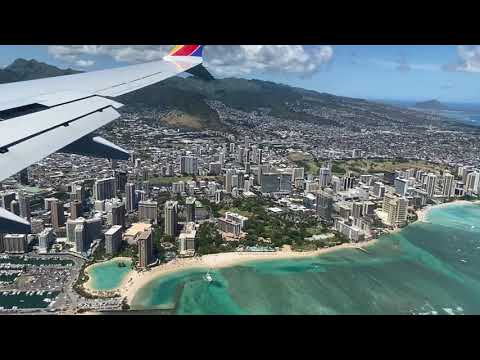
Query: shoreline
{"x": 422, "y": 214}
{"x": 135, "y": 280}
{"x": 132, "y": 283}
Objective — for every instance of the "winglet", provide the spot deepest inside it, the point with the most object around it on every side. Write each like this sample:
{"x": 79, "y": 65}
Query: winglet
{"x": 187, "y": 50}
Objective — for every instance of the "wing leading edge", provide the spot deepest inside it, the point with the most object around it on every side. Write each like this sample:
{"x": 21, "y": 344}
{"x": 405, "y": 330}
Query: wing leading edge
{"x": 40, "y": 117}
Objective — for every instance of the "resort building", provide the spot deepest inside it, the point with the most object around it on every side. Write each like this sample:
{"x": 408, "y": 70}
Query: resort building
{"x": 113, "y": 239}
{"x": 133, "y": 231}
{"x": 145, "y": 248}
{"x": 186, "y": 240}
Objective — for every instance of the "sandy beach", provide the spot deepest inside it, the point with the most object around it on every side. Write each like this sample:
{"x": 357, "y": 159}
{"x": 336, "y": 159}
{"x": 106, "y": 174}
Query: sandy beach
{"x": 136, "y": 280}
{"x": 423, "y": 213}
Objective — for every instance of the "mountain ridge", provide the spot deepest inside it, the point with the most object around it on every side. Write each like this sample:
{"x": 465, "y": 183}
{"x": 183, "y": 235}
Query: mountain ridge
{"x": 191, "y": 96}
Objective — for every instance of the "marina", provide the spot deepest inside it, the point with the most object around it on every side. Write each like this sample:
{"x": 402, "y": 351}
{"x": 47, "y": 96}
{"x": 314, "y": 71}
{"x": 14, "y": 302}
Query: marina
{"x": 12, "y": 300}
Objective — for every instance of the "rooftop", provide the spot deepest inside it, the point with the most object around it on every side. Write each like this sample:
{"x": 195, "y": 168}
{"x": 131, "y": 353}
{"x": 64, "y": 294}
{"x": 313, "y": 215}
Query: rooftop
{"x": 113, "y": 230}
{"x": 137, "y": 228}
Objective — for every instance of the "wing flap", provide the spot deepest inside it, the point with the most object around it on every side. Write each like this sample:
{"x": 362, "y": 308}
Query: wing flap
{"x": 26, "y": 153}
{"x": 25, "y": 127}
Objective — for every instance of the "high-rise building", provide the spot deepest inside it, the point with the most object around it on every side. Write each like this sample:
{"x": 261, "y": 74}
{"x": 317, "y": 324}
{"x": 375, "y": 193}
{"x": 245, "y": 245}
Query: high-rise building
{"x": 75, "y": 209}
{"x": 118, "y": 214}
{"x": 235, "y": 181}
{"x": 472, "y": 181}
{"x": 104, "y": 189}
{"x": 190, "y": 209}
{"x": 259, "y": 156}
{"x": 24, "y": 205}
{"x": 120, "y": 179}
{"x": 78, "y": 193}
{"x": 215, "y": 168}
{"x": 48, "y": 203}
{"x": 178, "y": 187}
{"x": 81, "y": 242}
{"x": 388, "y": 177}
{"x": 401, "y": 186}
{"x": 232, "y": 223}
{"x": 23, "y": 176}
{"x": 298, "y": 173}
{"x": 396, "y": 209}
{"x": 270, "y": 182}
{"x": 348, "y": 182}
{"x": 45, "y": 240}
{"x": 378, "y": 189}
{"x": 148, "y": 211}
{"x": 228, "y": 181}
{"x": 448, "y": 185}
{"x": 189, "y": 165}
{"x": 240, "y": 180}
{"x": 186, "y": 239}
{"x": 218, "y": 196}
{"x": 285, "y": 183}
{"x": 15, "y": 243}
{"x": 15, "y": 207}
{"x": 325, "y": 204}
{"x": 368, "y": 208}
{"x": 7, "y": 198}
{"x": 431, "y": 182}
{"x": 311, "y": 187}
{"x": 113, "y": 239}
{"x": 357, "y": 210}
{"x": 145, "y": 248}
{"x": 325, "y": 176}
{"x": 170, "y": 214}
{"x": 366, "y": 179}
{"x": 58, "y": 216}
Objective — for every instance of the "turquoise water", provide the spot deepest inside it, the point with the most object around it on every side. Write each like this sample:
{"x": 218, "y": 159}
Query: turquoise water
{"x": 427, "y": 268}
{"x": 108, "y": 275}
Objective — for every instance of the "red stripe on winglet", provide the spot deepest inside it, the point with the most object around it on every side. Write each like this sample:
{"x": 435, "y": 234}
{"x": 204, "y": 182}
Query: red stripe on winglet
{"x": 186, "y": 50}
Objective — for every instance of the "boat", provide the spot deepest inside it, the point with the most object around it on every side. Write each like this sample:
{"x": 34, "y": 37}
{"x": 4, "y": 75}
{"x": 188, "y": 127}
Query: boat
{"x": 208, "y": 277}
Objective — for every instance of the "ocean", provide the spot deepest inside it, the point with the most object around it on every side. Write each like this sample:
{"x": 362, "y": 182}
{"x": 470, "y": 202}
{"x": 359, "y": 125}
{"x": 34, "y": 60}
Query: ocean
{"x": 426, "y": 268}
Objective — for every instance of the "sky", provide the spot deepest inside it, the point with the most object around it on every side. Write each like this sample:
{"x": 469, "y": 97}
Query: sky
{"x": 411, "y": 73}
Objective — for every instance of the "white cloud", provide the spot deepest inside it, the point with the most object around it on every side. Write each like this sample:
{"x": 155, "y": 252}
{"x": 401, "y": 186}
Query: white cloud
{"x": 222, "y": 60}
{"x": 84, "y": 63}
{"x": 469, "y": 59}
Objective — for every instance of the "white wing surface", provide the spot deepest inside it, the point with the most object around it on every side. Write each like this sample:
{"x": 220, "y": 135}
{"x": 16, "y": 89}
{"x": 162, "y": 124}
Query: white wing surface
{"x": 40, "y": 117}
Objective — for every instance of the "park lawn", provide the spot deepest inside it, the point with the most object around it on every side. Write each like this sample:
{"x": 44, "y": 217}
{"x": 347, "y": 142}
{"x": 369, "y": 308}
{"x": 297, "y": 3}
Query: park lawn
{"x": 372, "y": 166}
{"x": 299, "y": 156}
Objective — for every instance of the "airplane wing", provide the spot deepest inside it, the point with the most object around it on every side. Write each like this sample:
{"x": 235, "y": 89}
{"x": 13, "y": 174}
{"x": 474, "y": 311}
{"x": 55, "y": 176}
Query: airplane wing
{"x": 40, "y": 117}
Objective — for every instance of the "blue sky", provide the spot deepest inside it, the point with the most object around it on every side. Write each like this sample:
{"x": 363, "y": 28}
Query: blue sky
{"x": 446, "y": 73}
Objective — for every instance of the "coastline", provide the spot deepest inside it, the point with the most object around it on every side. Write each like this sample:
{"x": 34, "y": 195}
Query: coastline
{"x": 136, "y": 280}
{"x": 422, "y": 214}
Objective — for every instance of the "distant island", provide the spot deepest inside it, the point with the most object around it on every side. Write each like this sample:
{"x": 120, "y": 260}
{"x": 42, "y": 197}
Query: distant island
{"x": 431, "y": 105}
